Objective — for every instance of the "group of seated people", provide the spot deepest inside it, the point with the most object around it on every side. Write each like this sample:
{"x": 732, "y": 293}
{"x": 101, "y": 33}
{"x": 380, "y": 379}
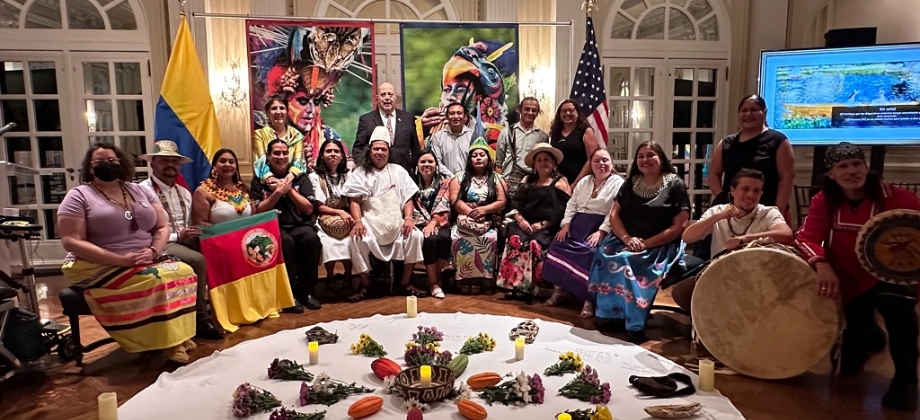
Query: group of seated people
{"x": 595, "y": 236}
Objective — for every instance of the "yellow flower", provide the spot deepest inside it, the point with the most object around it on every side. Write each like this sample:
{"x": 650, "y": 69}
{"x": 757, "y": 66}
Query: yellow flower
{"x": 410, "y": 345}
{"x": 562, "y": 357}
{"x": 579, "y": 366}
{"x": 603, "y": 413}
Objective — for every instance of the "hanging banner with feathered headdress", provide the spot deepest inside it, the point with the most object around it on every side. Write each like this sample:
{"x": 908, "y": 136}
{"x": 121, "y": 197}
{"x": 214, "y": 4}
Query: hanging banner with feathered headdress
{"x": 315, "y": 78}
{"x": 474, "y": 64}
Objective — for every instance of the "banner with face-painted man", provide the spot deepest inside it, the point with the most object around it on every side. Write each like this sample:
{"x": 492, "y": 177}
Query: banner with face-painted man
{"x": 474, "y": 64}
{"x": 309, "y": 82}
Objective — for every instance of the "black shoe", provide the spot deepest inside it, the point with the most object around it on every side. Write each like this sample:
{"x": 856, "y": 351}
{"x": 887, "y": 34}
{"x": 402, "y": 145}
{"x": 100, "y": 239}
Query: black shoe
{"x": 852, "y": 362}
{"x": 901, "y": 396}
{"x": 296, "y": 309}
{"x": 312, "y": 303}
{"x": 205, "y": 330}
{"x": 636, "y": 337}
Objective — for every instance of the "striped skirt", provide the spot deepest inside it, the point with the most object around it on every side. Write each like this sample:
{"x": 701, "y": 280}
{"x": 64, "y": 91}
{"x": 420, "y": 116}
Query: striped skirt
{"x": 142, "y": 308}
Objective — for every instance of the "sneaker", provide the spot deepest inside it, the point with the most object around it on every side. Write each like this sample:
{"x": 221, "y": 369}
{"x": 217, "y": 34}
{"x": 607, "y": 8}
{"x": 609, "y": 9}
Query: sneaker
{"x": 437, "y": 293}
{"x": 296, "y": 309}
{"x": 901, "y": 396}
{"x": 312, "y": 303}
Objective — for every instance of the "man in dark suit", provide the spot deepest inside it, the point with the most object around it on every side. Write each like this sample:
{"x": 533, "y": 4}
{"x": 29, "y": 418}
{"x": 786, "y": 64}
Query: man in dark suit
{"x": 404, "y": 147}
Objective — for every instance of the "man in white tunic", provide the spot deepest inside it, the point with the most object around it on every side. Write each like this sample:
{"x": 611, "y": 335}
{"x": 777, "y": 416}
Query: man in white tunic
{"x": 381, "y": 204}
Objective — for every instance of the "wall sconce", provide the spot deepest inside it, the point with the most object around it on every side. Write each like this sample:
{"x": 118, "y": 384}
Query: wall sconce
{"x": 232, "y": 92}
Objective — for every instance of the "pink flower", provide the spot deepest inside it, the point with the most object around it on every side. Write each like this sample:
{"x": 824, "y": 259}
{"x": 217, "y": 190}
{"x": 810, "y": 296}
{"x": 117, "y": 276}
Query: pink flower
{"x": 514, "y": 242}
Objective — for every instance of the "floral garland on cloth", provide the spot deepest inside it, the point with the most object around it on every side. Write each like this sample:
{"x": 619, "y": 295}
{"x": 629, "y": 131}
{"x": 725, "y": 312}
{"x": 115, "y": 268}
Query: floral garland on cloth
{"x": 237, "y": 199}
{"x": 425, "y": 348}
{"x": 587, "y": 387}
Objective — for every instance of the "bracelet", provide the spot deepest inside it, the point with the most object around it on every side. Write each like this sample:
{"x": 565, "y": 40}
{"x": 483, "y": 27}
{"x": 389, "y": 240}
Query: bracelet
{"x": 155, "y": 252}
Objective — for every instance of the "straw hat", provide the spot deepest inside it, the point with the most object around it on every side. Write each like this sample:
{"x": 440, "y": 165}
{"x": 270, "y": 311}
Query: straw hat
{"x": 166, "y": 148}
{"x": 542, "y": 147}
{"x": 380, "y": 134}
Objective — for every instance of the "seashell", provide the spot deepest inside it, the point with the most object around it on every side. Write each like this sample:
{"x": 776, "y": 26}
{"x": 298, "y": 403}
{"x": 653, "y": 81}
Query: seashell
{"x": 678, "y": 411}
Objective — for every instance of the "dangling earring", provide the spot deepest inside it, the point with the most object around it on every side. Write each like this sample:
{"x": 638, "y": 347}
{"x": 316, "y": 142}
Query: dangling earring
{"x": 213, "y": 173}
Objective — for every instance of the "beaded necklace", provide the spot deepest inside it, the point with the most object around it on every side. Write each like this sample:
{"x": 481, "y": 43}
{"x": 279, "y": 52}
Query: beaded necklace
{"x": 644, "y": 191}
{"x": 237, "y": 199}
{"x": 128, "y": 205}
{"x": 163, "y": 199}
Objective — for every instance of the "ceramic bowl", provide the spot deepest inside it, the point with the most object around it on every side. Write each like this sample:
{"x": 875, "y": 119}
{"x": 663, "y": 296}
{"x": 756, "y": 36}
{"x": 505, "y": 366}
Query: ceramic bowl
{"x": 410, "y": 384}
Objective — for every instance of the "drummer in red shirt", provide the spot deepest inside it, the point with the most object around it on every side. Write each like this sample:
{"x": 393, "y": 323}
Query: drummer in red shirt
{"x": 851, "y": 197}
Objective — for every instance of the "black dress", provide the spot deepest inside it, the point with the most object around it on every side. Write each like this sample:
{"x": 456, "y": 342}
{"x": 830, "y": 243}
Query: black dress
{"x": 522, "y": 259}
{"x": 758, "y": 152}
{"x": 572, "y": 147}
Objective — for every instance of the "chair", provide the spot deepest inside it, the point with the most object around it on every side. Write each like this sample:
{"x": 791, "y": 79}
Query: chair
{"x": 74, "y": 305}
{"x": 7, "y": 357}
{"x": 915, "y": 188}
{"x": 803, "y": 194}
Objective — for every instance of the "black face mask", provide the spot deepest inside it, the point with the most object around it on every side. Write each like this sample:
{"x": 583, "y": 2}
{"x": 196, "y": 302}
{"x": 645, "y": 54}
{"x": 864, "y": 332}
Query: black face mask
{"x": 107, "y": 172}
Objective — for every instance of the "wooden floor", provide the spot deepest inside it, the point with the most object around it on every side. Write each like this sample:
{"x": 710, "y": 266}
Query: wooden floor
{"x": 52, "y": 390}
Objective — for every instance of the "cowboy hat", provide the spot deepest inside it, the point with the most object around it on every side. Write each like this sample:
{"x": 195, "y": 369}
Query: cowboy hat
{"x": 166, "y": 148}
{"x": 542, "y": 147}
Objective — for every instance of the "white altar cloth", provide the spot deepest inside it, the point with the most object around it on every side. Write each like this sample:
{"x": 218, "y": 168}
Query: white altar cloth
{"x": 203, "y": 389}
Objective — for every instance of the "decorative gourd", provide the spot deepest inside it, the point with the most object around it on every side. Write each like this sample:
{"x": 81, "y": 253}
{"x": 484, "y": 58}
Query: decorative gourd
{"x": 482, "y": 380}
{"x": 384, "y": 367}
{"x": 414, "y": 414}
{"x": 458, "y": 364}
{"x": 365, "y": 407}
{"x": 472, "y": 410}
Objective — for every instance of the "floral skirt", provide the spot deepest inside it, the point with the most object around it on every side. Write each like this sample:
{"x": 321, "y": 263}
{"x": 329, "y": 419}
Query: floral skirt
{"x": 522, "y": 261}
{"x": 624, "y": 283}
{"x": 474, "y": 256}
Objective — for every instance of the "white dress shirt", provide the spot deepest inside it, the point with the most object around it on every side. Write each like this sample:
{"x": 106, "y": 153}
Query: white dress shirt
{"x": 581, "y": 201}
{"x": 173, "y": 204}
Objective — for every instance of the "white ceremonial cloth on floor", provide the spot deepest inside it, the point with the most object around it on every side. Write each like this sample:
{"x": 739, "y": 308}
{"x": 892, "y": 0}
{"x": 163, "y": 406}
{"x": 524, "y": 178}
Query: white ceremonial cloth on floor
{"x": 203, "y": 389}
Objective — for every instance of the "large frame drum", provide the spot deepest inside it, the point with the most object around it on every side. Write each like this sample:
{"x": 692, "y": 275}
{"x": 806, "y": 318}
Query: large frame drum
{"x": 757, "y": 311}
{"x": 888, "y": 247}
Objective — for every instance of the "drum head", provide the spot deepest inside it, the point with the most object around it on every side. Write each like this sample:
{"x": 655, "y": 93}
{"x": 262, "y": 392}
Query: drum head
{"x": 888, "y": 247}
{"x": 757, "y": 311}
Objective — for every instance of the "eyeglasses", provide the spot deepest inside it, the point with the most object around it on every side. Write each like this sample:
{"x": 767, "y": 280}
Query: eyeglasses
{"x": 110, "y": 161}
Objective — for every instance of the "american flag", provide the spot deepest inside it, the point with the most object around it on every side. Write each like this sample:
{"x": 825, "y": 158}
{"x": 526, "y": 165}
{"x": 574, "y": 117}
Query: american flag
{"x": 588, "y": 88}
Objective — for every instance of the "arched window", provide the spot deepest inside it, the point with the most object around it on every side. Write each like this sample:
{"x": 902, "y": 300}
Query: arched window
{"x": 687, "y": 20}
{"x": 665, "y": 62}
{"x": 388, "y": 9}
{"x": 68, "y": 14}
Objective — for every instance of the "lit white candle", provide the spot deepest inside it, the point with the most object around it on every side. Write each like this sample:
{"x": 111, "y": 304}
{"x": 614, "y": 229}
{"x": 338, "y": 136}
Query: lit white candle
{"x": 707, "y": 375}
{"x": 519, "y": 348}
{"x": 313, "y": 346}
{"x": 424, "y": 373}
{"x": 108, "y": 406}
{"x": 411, "y": 306}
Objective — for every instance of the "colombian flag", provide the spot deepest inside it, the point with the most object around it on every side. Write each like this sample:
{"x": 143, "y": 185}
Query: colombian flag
{"x": 246, "y": 274}
{"x": 185, "y": 113}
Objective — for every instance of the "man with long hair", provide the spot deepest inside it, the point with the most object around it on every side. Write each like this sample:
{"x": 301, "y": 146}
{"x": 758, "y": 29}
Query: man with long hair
{"x": 851, "y": 196}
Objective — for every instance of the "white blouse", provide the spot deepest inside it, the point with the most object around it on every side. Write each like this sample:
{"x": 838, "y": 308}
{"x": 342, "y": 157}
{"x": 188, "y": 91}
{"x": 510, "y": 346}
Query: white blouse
{"x": 581, "y": 201}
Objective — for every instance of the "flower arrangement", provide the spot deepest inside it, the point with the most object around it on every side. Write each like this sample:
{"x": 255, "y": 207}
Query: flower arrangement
{"x": 428, "y": 354}
{"x": 478, "y": 344}
{"x": 425, "y": 348}
{"x": 249, "y": 400}
{"x": 328, "y": 391}
{"x": 367, "y": 346}
{"x": 521, "y": 390}
{"x": 286, "y": 414}
{"x": 587, "y": 387}
{"x": 424, "y": 336}
{"x": 464, "y": 392}
{"x": 601, "y": 412}
{"x": 389, "y": 385}
{"x": 568, "y": 363}
{"x": 288, "y": 370}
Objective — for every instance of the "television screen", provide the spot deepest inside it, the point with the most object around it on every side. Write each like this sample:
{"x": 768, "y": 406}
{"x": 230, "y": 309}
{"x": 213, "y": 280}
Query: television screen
{"x": 864, "y": 95}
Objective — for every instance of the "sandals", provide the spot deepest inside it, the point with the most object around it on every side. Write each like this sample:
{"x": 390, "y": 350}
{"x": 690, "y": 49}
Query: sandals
{"x": 587, "y": 311}
{"x": 415, "y": 291}
{"x": 359, "y": 295}
{"x": 556, "y": 298}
